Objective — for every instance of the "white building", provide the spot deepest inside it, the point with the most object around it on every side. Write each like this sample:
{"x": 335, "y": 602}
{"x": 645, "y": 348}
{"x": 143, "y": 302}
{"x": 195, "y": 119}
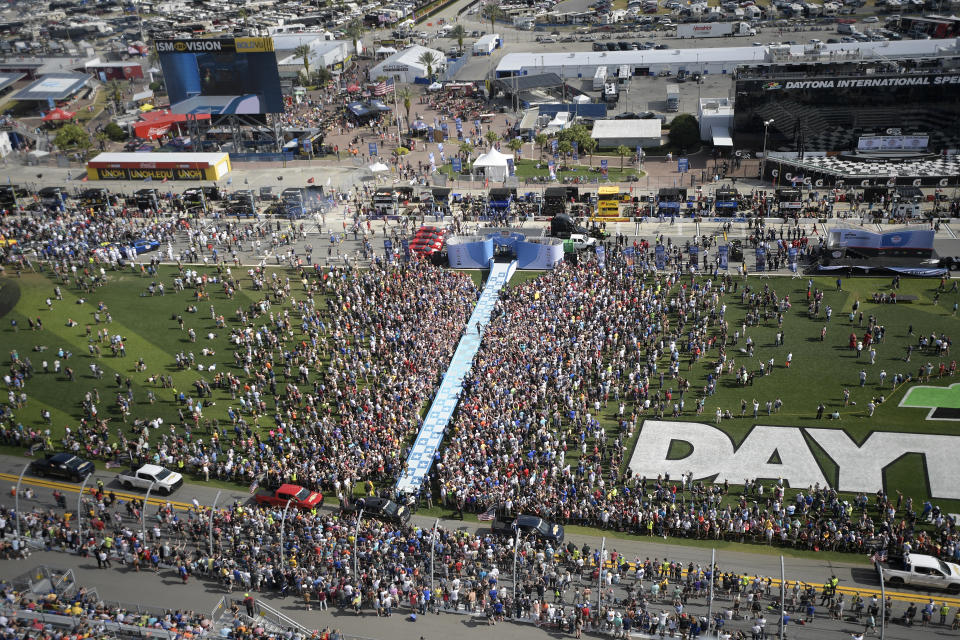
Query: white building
{"x": 329, "y": 54}
{"x": 486, "y": 44}
{"x": 713, "y": 60}
{"x": 716, "y": 121}
{"x": 406, "y": 65}
{"x": 610, "y": 134}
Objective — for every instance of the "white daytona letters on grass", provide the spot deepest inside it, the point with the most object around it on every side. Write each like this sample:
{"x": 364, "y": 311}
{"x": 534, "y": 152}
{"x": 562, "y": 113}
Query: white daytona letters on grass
{"x": 861, "y": 468}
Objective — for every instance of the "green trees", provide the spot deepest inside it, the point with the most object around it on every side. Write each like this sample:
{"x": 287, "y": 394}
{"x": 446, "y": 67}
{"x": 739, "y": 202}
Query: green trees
{"x": 493, "y": 12}
{"x": 404, "y": 95}
{"x": 115, "y": 132}
{"x": 458, "y": 33}
{"x": 541, "y": 140}
{"x": 303, "y": 52}
{"x": 684, "y": 131}
{"x": 428, "y": 59}
{"x": 71, "y": 137}
{"x": 623, "y": 151}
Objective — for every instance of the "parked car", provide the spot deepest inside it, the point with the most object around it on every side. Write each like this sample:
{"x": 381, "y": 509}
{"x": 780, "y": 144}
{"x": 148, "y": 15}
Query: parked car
{"x": 151, "y": 475}
{"x": 922, "y": 571}
{"x": 378, "y": 508}
{"x": 62, "y": 465}
{"x": 301, "y": 497}
{"x": 507, "y": 525}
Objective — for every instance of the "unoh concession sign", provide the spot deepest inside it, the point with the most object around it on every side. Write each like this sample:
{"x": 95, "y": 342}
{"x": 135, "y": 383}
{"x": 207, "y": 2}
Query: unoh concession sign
{"x": 215, "y": 45}
{"x": 176, "y": 173}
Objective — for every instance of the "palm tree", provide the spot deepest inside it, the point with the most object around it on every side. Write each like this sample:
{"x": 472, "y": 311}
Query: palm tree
{"x": 589, "y": 146}
{"x": 516, "y": 145}
{"x": 458, "y": 33}
{"x": 622, "y": 151}
{"x": 465, "y": 150}
{"x": 564, "y": 147}
{"x": 541, "y": 140}
{"x": 493, "y": 12}
{"x": 322, "y": 76}
{"x": 428, "y": 59}
{"x": 405, "y": 95}
{"x": 303, "y": 52}
{"x": 114, "y": 89}
{"x": 492, "y": 137}
{"x": 354, "y": 31}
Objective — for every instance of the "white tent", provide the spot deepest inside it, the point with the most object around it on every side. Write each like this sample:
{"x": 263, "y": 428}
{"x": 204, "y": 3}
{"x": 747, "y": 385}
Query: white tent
{"x": 385, "y": 51}
{"x": 581, "y": 99}
{"x": 494, "y": 164}
{"x": 378, "y": 167}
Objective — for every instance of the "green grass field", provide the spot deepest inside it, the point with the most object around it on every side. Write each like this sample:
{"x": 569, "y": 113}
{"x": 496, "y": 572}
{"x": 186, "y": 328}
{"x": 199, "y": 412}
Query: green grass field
{"x": 820, "y": 371}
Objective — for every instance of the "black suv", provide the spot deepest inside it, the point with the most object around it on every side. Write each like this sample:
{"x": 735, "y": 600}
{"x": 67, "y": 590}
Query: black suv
{"x": 62, "y": 465}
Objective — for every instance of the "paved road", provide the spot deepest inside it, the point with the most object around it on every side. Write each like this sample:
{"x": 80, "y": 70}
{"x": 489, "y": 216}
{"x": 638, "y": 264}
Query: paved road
{"x": 811, "y": 569}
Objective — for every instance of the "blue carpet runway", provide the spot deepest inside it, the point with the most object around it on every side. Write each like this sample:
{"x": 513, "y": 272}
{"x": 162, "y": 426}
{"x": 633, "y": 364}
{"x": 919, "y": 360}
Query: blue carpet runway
{"x": 441, "y": 411}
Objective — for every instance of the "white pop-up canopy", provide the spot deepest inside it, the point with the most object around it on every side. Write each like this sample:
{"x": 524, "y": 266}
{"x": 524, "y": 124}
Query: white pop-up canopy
{"x": 494, "y": 164}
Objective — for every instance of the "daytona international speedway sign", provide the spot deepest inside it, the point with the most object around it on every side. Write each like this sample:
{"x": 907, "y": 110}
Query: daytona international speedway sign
{"x": 782, "y": 452}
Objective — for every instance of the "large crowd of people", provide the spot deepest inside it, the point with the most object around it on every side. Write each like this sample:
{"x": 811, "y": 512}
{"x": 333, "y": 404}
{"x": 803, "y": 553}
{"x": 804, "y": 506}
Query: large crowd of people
{"x": 330, "y": 370}
{"x": 328, "y": 382}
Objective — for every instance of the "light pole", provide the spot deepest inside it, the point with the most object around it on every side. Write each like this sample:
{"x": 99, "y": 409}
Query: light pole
{"x": 16, "y": 505}
{"x": 713, "y": 563}
{"x": 283, "y": 522}
{"x": 763, "y": 162}
{"x": 356, "y": 537}
{"x": 603, "y": 546}
{"x": 210, "y": 530}
{"x": 516, "y": 546}
{"x": 80, "y": 504}
{"x": 783, "y": 598}
{"x": 433, "y": 544}
{"x": 883, "y": 603}
{"x": 143, "y": 514}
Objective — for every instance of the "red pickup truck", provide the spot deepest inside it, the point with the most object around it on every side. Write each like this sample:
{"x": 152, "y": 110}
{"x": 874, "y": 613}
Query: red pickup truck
{"x": 302, "y": 498}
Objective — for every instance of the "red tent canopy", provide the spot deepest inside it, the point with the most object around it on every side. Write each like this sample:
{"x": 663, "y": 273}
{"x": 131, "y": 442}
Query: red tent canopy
{"x": 353, "y": 88}
{"x": 156, "y": 123}
{"x": 57, "y": 115}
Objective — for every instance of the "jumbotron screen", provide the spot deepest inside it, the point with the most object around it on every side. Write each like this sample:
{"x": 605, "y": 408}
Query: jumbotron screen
{"x": 221, "y": 76}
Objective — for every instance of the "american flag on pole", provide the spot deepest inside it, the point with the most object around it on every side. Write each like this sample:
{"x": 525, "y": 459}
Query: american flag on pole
{"x": 488, "y": 515}
{"x": 383, "y": 88}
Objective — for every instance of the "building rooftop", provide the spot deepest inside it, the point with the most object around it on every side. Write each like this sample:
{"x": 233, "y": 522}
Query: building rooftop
{"x": 626, "y": 129}
{"x": 513, "y": 62}
{"x": 7, "y": 79}
{"x": 53, "y": 86}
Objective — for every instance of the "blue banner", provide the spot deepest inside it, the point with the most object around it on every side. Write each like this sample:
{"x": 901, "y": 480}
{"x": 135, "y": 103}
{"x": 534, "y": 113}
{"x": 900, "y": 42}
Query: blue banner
{"x": 683, "y": 165}
{"x": 792, "y": 258}
{"x": 456, "y": 164}
{"x": 372, "y": 147}
{"x": 388, "y": 249}
{"x": 601, "y": 256}
{"x": 723, "y": 251}
{"x": 761, "y": 259}
{"x": 405, "y": 243}
{"x": 554, "y": 144}
{"x": 660, "y": 256}
{"x": 510, "y": 167}
{"x": 694, "y": 254}
{"x": 630, "y": 255}
{"x": 459, "y": 125}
